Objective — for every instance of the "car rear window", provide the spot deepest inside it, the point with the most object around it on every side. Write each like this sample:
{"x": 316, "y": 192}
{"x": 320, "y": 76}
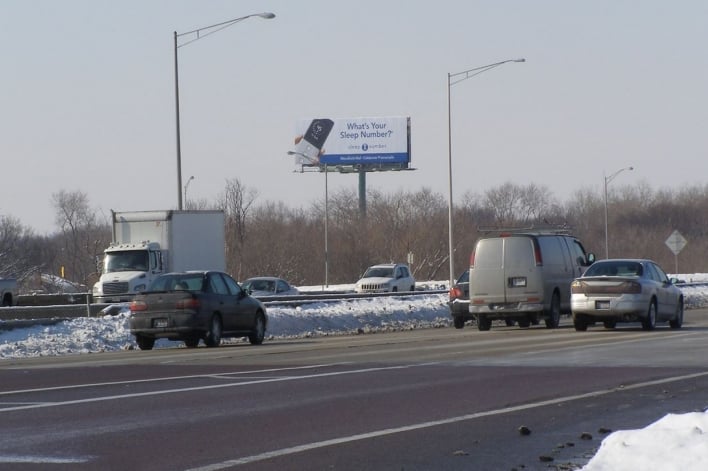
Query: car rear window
{"x": 185, "y": 282}
{"x": 615, "y": 268}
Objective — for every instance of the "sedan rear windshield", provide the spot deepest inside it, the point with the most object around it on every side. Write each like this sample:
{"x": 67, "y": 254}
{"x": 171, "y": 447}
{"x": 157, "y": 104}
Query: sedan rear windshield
{"x": 186, "y": 282}
{"x": 615, "y": 268}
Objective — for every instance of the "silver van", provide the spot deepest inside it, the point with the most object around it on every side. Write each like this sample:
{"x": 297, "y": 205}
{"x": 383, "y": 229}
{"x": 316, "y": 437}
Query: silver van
{"x": 524, "y": 275}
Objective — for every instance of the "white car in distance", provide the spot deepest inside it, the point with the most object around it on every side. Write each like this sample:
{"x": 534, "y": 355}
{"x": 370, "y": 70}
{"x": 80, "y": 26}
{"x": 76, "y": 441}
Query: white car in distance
{"x": 386, "y": 278}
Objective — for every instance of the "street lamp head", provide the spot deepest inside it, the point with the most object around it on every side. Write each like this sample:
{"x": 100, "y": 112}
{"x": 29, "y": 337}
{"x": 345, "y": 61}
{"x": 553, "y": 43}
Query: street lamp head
{"x": 519, "y": 60}
{"x": 630, "y": 168}
{"x": 266, "y": 15}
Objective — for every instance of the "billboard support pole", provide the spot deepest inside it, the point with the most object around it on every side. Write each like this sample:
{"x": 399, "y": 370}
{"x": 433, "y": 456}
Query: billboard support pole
{"x": 362, "y": 193}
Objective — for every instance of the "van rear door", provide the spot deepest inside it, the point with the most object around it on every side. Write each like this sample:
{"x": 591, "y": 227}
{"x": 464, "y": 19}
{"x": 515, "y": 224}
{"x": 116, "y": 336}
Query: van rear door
{"x": 522, "y": 278}
{"x": 504, "y": 270}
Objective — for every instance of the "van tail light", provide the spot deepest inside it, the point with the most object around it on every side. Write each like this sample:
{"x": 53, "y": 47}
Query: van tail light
{"x": 537, "y": 253}
{"x": 136, "y": 306}
{"x": 472, "y": 259}
{"x": 188, "y": 303}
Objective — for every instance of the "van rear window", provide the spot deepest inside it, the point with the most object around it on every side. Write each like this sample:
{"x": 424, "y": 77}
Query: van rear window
{"x": 488, "y": 253}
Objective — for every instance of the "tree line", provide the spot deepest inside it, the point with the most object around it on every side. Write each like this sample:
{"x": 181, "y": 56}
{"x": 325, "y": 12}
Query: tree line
{"x": 271, "y": 238}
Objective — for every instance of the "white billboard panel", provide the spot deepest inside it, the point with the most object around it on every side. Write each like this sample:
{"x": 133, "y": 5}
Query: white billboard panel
{"x": 353, "y": 141}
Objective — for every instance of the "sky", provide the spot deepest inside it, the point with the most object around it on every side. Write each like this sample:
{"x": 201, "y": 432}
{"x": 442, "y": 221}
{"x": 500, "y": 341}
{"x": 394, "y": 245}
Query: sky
{"x": 676, "y": 442}
{"x": 88, "y": 96}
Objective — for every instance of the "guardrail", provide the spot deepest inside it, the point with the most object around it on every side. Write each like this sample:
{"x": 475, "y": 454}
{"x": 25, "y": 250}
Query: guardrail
{"x": 24, "y": 315}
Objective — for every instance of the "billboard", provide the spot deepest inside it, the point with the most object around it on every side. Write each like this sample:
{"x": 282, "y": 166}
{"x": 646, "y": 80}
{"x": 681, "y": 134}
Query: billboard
{"x": 380, "y": 141}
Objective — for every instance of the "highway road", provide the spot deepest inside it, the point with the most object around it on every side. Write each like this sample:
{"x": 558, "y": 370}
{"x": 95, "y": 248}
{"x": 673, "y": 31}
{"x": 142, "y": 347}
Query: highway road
{"x": 416, "y": 400}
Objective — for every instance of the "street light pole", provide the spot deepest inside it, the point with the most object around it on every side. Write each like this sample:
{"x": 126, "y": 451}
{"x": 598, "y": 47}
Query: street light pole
{"x": 186, "y": 185}
{"x": 452, "y": 79}
{"x": 607, "y": 182}
{"x": 208, "y": 30}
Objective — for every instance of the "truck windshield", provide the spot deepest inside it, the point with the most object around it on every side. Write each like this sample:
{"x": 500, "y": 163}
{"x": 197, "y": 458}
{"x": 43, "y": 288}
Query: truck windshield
{"x": 128, "y": 260}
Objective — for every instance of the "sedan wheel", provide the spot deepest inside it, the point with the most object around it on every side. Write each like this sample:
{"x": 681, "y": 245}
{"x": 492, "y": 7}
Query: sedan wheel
{"x": 650, "y": 321}
{"x": 458, "y": 322}
{"x": 145, "y": 343}
{"x": 213, "y": 337}
{"x": 258, "y": 334}
{"x": 677, "y": 321}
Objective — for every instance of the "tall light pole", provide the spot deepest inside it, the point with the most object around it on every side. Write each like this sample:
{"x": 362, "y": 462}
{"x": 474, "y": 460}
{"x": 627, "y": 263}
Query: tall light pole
{"x": 198, "y": 34}
{"x": 607, "y": 182}
{"x": 452, "y": 79}
{"x": 186, "y": 185}
{"x": 326, "y": 219}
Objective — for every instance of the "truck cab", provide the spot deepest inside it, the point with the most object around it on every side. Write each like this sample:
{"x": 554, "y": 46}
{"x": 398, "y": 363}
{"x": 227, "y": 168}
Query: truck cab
{"x": 127, "y": 269}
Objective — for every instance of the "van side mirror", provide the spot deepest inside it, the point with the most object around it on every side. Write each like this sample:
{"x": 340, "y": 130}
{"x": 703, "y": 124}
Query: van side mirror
{"x": 591, "y": 258}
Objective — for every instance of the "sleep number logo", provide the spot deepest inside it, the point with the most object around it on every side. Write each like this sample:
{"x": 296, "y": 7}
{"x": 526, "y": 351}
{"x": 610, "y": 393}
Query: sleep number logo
{"x": 365, "y": 147}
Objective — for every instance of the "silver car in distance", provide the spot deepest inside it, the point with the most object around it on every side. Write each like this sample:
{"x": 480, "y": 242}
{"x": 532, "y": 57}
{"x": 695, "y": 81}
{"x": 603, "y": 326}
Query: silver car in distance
{"x": 625, "y": 290}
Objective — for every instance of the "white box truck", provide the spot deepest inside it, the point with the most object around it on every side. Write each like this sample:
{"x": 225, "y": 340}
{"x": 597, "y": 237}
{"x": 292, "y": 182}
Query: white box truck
{"x": 148, "y": 243}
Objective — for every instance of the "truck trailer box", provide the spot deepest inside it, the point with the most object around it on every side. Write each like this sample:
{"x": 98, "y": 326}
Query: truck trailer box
{"x": 149, "y": 243}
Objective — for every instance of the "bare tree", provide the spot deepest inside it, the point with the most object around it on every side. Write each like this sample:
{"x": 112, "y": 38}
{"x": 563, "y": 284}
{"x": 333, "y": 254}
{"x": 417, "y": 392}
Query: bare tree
{"x": 82, "y": 235}
{"x": 16, "y": 259}
{"x": 236, "y": 201}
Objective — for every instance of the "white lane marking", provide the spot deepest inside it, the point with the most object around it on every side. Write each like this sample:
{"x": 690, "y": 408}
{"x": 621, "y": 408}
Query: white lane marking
{"x": 228, "y": 375}
{"x": 434, "y": 423}
{"x": 40, "y": 459}
{"x": 204, "y": 388}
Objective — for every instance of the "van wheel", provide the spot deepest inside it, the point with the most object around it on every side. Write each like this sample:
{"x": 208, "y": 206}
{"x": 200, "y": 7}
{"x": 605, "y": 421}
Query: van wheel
{"x": 610, "y": 323}
{"x": 524, "y": 322}
{"x": 484, "y": 323}
{"x": 554, "y": 313}
{"x": 458, "y": 322}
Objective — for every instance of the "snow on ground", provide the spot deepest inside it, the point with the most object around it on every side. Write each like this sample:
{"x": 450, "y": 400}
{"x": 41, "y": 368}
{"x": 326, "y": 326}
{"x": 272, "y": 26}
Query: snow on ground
{"x": 675, "y": 442}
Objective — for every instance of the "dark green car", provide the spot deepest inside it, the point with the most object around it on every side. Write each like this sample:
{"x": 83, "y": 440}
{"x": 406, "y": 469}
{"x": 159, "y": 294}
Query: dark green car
{"x": 193, "y": 306}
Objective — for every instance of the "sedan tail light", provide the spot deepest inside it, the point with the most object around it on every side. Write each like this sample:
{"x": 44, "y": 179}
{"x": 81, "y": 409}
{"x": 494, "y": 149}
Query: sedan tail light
{"x": 138, "y": 306}
{"x": 188, "y": 303}
{"x": 455, "y": 293}
{"x": 631, "y": 287}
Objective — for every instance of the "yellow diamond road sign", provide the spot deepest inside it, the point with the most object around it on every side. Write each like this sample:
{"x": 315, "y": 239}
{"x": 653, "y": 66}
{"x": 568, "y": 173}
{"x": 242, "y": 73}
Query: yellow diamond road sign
{"x": 676, "y": 242}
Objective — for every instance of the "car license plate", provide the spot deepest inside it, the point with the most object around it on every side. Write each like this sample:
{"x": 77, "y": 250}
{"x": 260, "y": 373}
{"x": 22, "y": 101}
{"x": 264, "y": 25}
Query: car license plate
{"x": 160, "y": 323}
{"x": 602, "y": 304}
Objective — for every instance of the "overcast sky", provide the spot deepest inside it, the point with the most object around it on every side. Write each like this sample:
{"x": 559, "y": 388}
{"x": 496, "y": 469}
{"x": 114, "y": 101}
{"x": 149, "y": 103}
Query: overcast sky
{"x": 88, "y": 95}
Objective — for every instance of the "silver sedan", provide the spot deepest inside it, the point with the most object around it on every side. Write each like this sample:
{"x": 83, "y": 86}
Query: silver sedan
{"x": 625, "y": 290}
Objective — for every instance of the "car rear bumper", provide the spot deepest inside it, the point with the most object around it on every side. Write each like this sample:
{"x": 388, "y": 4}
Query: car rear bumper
{"x": 504, "y": 309}
{"x": 166, "y": 325}
{"x": 460, "y": 308}
{"x": 623, "y": 307}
